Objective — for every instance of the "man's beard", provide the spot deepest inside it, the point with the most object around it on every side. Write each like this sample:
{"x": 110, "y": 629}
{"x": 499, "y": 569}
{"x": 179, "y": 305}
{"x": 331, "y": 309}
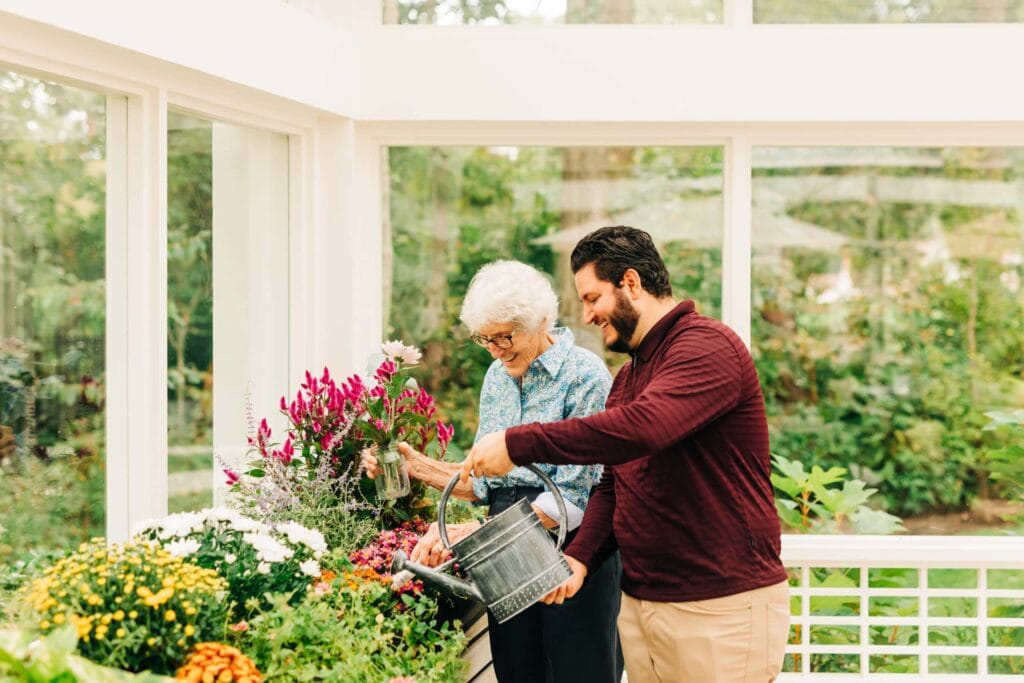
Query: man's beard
{"x": 623, "y": 320}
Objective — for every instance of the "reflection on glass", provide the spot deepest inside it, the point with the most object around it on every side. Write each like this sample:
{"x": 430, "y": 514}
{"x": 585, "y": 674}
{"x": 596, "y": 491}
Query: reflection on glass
{"x": 227, "y": 278}
{"x": 888, "y": 317}
{"x": 189, "y": 311}
{"x": 453, "y": 209}
{"x": 52, "y": 315}
{"x": 494, "y": 12}
{"x": 887, "y": 11}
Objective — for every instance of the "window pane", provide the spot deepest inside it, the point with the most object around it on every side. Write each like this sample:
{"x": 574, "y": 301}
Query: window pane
{"x": 52, "y": 314}
{"x": 889, "y": 317}
{"x": 227, "y": 270}
{"x": 453, "y": 209}
{"x": 494, "y": 12}
{"x": 887, "y": 11}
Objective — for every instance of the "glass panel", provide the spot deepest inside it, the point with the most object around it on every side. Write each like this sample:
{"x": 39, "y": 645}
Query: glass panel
{"x": 892, "y": 606}
{"x": 890, "y": 577}
{"x": 52, "y": 315}
{"x": 893, "y": 664}
{"x": 953, "y": 635}
{"x": 888, "y": 319}
{"x": 227, "y": 185}
{"x": 952, "y": 578}
{"x": 887, "y": 11}
{"x": 830, "y": 663}
{"x": 495, "y": 12}
{"x": 834, "y": 635}
{"x": 453, "y": 209}
{"x": 952, "y": 607}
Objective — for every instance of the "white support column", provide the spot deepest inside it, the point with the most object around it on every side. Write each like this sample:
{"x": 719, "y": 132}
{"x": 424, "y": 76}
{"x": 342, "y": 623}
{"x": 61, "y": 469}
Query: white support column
{"x": 348, "y": 254}
{"x": 118, "y": 398}
{"x": 250, "y": 287}
{"x": 145, "y": 359}
{"x": 736, "y": 244}
{"x": 738, "y": 13}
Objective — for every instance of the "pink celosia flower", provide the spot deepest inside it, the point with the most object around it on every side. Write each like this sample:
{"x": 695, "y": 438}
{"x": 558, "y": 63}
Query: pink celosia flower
{"x": 232, "y": 476}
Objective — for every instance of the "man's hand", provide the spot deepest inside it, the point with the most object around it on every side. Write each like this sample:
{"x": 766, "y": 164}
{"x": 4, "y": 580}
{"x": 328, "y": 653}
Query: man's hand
{"x": 430, "y": 551}
{"x": 488, "y": 458}
{"x": 7, "y": 444}
{"x": 571, "y": 586}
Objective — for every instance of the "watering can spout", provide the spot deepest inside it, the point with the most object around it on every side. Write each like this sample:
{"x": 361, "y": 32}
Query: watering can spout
{"x": 400, "y": 562}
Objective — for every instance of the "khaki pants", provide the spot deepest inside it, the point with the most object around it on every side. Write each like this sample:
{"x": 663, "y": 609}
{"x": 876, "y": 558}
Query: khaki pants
{"x": 738, "y": 638}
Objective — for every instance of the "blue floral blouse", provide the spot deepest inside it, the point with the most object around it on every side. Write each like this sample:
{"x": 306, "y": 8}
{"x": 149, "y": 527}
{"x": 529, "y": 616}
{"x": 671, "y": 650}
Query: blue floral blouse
{"x": 565, "y": 381}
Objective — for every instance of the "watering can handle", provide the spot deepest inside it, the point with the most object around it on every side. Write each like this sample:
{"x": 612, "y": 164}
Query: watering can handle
{"x": 559, "y": 501}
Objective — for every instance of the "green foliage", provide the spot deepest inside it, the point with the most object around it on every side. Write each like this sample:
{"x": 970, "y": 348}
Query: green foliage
{"x": 814, "y": 504}
{"x": 893, "y": 379}
{"x": 1007, "y": 461}
{"x": 69, "y": 511}
{"x": 357, "y": 631}
{"x": 52, "y": 659}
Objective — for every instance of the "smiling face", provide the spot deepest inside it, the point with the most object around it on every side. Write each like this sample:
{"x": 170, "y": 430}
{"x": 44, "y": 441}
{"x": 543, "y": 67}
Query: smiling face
{"x": 526, "y": 346}
{"x": 608, "y": 307}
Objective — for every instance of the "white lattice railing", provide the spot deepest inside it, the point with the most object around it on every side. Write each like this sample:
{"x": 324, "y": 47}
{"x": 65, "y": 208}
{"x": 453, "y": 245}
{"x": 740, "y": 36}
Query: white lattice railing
{"x": 905, "y": 607}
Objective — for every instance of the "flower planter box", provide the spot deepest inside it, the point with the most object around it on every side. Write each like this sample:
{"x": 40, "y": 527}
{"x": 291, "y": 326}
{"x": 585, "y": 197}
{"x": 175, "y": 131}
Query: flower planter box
{"x": 478, "y": 651}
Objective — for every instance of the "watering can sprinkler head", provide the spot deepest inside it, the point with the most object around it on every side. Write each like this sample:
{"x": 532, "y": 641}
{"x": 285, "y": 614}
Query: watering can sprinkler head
{"x": 402, "y": 569}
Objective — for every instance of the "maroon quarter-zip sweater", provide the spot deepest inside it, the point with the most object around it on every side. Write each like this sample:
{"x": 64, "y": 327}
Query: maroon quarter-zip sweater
{"x": 686, "y": 486}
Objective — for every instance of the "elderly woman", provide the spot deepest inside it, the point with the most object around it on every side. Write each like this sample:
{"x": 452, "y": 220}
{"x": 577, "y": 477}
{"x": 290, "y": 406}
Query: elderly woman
{"x": 538, "y": 375}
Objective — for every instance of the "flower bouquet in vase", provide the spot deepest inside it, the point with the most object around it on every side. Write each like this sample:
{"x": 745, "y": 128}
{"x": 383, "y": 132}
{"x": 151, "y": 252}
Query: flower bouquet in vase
{"x": 397, "y": 409}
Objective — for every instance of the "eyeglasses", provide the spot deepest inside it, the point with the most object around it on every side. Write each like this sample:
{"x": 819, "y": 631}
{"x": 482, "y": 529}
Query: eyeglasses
{"x": 500, "y": 341}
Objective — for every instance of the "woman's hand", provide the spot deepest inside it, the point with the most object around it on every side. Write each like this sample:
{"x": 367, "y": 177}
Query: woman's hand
{"x": 430, "y": 551}
{"x": 368, "y": 458}
{"x": 546, "y": 521}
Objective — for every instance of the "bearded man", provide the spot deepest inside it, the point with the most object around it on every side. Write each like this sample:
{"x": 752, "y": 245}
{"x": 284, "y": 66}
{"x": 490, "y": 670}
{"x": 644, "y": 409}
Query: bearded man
{"x": 686, "y": 494}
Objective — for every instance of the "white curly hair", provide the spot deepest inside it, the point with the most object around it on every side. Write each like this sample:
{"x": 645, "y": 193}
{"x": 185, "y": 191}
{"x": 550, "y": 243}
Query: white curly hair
{"x": 510, "y": 292}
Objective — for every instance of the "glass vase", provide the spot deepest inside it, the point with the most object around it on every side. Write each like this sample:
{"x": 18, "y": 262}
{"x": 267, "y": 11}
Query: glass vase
{"x": 392, "y": 480}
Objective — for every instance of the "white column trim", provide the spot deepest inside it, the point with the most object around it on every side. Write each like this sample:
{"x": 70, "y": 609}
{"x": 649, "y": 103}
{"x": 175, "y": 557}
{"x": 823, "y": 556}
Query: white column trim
{"x": 738, "y": 13}
{"x": 736, "y": 243}
{"x": 146, "y": 353}
{"x": 116, "y": 287}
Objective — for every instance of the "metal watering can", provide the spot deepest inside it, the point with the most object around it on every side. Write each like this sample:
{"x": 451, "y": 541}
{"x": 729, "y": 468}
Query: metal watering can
{"x": 511, "y": 561}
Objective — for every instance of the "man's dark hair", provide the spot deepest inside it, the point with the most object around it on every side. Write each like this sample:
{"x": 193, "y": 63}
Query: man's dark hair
{"x": 615, "y": 249}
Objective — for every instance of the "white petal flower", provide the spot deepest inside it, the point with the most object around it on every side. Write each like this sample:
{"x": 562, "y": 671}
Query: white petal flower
{"x": 267, "y": 549}
{"x": 230, "y": 558}
{"x": 263, "y": 567}
{"x": 410, "y": 355}
{"x": 311, "y": 538}
{"x": 182, "y": 548}
{"x": 310, "y": 568}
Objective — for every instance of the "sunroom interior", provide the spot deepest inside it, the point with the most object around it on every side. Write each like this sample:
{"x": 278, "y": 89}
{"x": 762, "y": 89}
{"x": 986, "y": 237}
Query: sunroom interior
{"x": 253, "y": 189}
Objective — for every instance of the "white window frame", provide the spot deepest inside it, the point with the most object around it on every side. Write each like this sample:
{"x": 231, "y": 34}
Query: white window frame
{"x": 139, "y": 93}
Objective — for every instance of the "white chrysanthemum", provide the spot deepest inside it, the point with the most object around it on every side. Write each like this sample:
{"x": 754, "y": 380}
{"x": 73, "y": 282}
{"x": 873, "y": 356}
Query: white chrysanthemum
{"x": 221, "y": 514}
{"x": 182, "y": 548}
{"x": 263, "y": 567}
{"x": 267, "y": 549}
{"x": 146, "y": 525}
{"x": 310, "y": 568}
{"x": 311, "y": 538}
{"x": 181, "y": 524}
{"x": 230, "y": 558}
